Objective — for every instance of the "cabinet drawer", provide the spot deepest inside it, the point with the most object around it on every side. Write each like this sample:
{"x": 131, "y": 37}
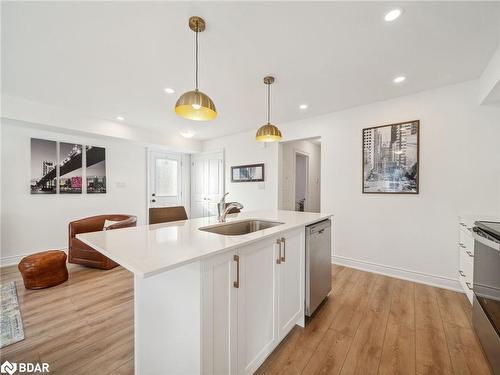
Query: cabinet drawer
{"x": 465, "y": 285}
{"x": 466, "y": 272}
{"x": 466, "y": 266}
{"x": 466, "y": 242}
{"x": 468, "y": 258}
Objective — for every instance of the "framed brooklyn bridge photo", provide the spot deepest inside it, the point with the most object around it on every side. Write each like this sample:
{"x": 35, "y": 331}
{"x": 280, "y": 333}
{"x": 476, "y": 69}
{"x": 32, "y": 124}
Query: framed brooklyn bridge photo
{"x": 391, "y": 158}
{"x": 43, "y": 166}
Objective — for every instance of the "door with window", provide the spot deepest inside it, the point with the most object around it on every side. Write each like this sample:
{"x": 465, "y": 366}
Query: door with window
{"x": 207, "y": 183}
{"x": 165, "y": 179}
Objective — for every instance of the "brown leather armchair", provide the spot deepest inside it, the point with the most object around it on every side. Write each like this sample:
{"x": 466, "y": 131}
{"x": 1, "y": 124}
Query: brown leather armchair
{"x": 80, "y": 253}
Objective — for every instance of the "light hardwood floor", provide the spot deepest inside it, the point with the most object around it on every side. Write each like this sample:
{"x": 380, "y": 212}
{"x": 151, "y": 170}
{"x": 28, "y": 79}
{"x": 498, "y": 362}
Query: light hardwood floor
{"x": 370, "y": 324}
{"x": 84, "y": 326}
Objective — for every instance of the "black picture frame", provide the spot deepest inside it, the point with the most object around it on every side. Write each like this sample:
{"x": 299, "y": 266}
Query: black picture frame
{"x": 392, "y": 152}
{"x": 248, "y": 173}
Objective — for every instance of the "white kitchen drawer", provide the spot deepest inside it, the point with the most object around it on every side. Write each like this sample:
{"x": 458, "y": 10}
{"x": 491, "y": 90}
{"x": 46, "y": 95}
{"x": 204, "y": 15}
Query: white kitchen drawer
{"x": 466, "y": 222}
{"x": 466, "y": 257}
{"x": 465, "y": 273}
{"x": 468, "y": 291}
{"x": 466, "y": 241}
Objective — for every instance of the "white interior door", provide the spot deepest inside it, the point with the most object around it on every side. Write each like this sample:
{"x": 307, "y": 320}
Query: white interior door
{"x": 207, "y": 183}
{"x": 165, "y": 179}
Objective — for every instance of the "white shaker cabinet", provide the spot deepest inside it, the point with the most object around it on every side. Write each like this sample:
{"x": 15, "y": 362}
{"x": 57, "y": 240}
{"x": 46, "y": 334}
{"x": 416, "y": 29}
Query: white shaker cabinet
{"x": 257, "y": 304}
{"x": 219, "y": 315}
{"x": 291, "y": 282}
{"x": 251, "y": 298}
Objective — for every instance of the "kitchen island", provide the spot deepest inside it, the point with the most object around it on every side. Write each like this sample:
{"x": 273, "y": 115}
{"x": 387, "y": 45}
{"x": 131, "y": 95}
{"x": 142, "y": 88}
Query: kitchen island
{"x": 210, "y": 303}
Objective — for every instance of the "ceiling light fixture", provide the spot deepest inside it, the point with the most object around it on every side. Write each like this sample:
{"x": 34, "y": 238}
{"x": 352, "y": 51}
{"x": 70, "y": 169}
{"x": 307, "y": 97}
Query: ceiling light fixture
{"x": 399, "y": 79}
{"x": 303, "y": 106}
{"x": 196, "y": 105}
{"x": 168, "y": 90}
{"x": 120, "y": 118}
{"x": 268, "y": 132}
{"x": 187, "y": 134}
{"x": 393, "y": 15}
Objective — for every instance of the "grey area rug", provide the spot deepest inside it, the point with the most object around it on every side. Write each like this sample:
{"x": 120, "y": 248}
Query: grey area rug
{"x": 11, "y": 329}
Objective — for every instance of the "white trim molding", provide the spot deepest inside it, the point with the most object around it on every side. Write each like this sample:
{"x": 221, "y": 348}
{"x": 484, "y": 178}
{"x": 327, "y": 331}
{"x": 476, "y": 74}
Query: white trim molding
{"x": 399, "y": 273}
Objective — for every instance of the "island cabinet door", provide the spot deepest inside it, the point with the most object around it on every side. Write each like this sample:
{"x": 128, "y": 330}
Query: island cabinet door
{"x": 219, "y": 315}
{"x": 291, "y": 281}
{"x": 257, "y": 304}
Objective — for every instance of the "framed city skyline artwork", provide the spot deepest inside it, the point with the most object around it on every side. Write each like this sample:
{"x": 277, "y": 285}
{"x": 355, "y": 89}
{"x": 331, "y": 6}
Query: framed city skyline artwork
{"x": 96, "y": 169}
{"x": 43, "y": 166}
{"x": 70, "y": 168}
{"x": 57, "y": 167}
{"x": 391, "y": 158}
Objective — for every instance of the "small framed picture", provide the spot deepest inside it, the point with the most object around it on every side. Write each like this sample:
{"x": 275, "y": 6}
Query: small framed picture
{"x": 391, "y": 158}
{"x": 247, "y": 173}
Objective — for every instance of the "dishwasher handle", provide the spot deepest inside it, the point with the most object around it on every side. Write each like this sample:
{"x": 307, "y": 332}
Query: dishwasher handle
{"x": 319, "y": 228}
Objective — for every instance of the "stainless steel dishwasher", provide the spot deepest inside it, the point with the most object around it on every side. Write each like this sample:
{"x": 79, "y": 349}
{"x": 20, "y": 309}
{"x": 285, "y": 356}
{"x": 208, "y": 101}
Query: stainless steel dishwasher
{"x": 318, "y": 264}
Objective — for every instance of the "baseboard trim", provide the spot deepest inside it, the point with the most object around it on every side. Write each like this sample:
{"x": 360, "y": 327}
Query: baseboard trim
{"x": 15, "y": 259}
{"x": 399, "y": 273}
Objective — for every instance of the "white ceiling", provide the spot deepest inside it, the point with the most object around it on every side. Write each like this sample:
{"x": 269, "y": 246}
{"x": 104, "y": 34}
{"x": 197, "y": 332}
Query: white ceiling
{"x": 109, "y": 59}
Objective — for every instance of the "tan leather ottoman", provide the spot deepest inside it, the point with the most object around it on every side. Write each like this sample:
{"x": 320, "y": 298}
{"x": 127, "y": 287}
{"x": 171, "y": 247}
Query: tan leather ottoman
{"x": 44, "y": 269}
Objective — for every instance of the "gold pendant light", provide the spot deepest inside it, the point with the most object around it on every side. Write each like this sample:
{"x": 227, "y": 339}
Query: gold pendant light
{"x": 196, "y": 105}
{"x": 268, "y": 132}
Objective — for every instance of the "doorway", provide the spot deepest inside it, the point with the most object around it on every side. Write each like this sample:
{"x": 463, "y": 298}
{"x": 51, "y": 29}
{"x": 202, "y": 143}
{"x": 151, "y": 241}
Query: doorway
{"x": 299, "y": 186}
{"x": 301, "y": 181}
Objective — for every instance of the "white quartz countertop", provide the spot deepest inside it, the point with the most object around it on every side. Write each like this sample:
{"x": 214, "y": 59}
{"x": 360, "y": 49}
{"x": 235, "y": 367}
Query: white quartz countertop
{"x": 151, "y": 249}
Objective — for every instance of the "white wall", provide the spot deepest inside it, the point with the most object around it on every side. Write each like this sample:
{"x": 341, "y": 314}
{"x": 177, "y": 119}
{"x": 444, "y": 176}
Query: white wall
{"x": 64, "y": 119}
{"x": 287, "y": 172}
{"x": 33, "y": 223}
{"x": 413, "y": 236}
{"x": 242, "y": 149}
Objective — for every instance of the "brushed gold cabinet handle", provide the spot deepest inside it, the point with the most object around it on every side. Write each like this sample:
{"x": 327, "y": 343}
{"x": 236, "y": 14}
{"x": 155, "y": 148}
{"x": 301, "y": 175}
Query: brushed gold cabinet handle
{"x": 236, "y": 284}
{"x": 283, "y": 258}
{"x": 278, "y": 261}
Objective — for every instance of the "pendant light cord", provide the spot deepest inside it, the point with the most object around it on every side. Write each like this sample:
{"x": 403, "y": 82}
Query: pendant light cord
{"x": 268, "y": 103}
{"x": 196, "y": 58}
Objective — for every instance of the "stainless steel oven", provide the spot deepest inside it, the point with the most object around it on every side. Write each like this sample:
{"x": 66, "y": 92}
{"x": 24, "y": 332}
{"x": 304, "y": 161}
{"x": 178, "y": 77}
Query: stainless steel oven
{"x": 486, "y": 300}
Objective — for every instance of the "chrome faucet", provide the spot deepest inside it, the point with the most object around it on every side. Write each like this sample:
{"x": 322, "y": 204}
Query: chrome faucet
{"x": 221, "y": 206}
{"x": 229, "y": 207}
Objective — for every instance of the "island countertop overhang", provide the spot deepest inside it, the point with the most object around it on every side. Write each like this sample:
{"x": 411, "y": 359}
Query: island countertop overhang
{"x": 151, "y": 249}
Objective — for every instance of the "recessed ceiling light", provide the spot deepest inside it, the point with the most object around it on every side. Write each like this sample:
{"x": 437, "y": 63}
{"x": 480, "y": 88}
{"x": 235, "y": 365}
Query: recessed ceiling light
{"x": 303, "y": 106}
{"x": 399, "y": 79}
{"x": 187, "y": 134}
{"x": 393, "y": 15}
{"x": 168, "y": 90}
{"x": 120, "y": 118}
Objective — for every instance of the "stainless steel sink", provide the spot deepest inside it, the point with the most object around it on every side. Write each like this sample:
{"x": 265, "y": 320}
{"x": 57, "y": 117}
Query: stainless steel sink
{"x": 239, "y": 228}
